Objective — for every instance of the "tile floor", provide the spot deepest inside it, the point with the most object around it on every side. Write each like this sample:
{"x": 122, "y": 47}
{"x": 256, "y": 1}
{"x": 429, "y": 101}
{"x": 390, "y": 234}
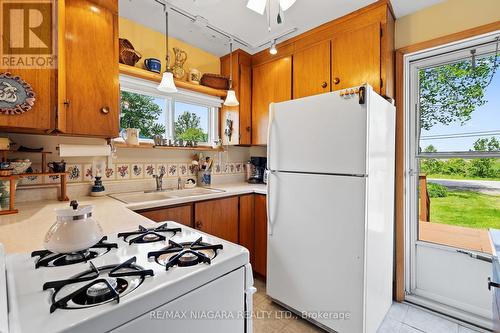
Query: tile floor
{"x": 402, "y": 318}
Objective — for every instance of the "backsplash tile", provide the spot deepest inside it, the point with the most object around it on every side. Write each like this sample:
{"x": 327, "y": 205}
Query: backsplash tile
{"x": 122, "y": 171}
{"x": 137, "y": 171}
{"x": 88, "y": 173}
{"x": 183, "y": 170}
{"x": 172, "y": 170}
{"x": 74, "y": 173}
{"x": 149, "y": 170}
{"x": 109, "y": 173}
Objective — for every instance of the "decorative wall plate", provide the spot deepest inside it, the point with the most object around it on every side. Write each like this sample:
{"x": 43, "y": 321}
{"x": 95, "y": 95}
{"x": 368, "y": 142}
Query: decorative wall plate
{"x": 16, "y": 95}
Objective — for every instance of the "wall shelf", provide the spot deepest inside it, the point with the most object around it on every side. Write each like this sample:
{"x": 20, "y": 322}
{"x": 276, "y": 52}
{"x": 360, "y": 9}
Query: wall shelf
{"x": 151, "y": 146}
{"x": 147, "y": 75}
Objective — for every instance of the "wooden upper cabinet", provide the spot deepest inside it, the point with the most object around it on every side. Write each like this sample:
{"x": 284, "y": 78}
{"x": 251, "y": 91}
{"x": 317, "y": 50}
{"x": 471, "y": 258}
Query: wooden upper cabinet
{"x": 218, "y": 218}
{"x": 89, "y": 90}
{"x": 271, "y": 82}
{"x": 356, "y": 58}
{"x": 242, "y": 85}
{"x": 311, "y": 70}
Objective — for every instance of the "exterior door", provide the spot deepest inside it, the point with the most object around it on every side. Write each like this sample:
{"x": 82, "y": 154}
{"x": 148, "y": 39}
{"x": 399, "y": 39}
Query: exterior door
{"x": 272, "y": 82}
{"x": 311, "y": 70}
{"x": 452, "y": 182}
{"x": 356, "y": 58}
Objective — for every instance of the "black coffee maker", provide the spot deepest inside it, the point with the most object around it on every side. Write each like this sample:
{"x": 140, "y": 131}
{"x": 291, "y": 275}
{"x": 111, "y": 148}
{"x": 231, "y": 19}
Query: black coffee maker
{"x": 258, "y": 170}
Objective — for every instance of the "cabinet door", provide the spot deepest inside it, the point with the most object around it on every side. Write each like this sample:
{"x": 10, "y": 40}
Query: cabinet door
{"x": 271, "y": 82}
{"x": 260, "y": 251}
{"x": 245, "y": 104}
{"x": 311, "y": 70}
{"x": 247, "y": 229}
{"x": 180, "y": 214}
{"x": 218, "y": 218}
{"x": 356, "y": 58}
{"x": 91, "y": 103}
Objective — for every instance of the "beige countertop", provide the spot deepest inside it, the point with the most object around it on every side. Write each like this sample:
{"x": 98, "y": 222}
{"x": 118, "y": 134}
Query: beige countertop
{"x": 24, "y": 232}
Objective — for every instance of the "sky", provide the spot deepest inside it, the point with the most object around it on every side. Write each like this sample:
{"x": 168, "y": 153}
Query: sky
{"x": 485, "y": 118}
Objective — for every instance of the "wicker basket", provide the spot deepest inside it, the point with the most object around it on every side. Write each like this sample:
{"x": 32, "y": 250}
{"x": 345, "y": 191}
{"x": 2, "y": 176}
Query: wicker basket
{"x": 215, "y": 81}
{"x": 128, "y": 55}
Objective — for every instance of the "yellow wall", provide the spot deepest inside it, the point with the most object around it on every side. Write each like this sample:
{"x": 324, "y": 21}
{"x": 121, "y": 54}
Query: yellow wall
{"x": 445, "y": 18}
{"x": 151, "y": 44}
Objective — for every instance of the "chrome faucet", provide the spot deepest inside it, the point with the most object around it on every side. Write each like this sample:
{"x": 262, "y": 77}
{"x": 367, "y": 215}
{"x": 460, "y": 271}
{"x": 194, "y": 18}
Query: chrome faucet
{"x": 159, "y": 180}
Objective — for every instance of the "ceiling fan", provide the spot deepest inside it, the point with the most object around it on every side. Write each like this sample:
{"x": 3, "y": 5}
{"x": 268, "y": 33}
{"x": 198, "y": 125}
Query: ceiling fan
{"x": 259, "y": 6}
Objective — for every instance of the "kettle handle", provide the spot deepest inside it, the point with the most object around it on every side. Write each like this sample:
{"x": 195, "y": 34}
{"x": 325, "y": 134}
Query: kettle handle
{"x": 74, "y": 204}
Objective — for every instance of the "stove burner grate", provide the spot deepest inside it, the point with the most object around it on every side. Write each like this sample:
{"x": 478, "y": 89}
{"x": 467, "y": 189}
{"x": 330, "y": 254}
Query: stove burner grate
{"x": 148, "y": 235}
{"x": 185, "y": 254}
{"x": 50, "y": 259}
{"x": 105, "y": 284}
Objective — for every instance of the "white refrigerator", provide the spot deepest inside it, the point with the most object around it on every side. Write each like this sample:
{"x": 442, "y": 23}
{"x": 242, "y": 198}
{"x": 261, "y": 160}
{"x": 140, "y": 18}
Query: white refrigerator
{"x": 331, "y": 208}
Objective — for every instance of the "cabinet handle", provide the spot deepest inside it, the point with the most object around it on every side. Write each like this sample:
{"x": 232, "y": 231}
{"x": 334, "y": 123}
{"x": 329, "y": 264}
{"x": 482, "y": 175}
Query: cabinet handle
{"x": 248, "y": 128}
{"x": 336, "y": 80}
{"x": 198, "y": 224}
{"x": 105, "y": 110}
{"x": 66, "y": 102}
{"x": 324, "y": 84}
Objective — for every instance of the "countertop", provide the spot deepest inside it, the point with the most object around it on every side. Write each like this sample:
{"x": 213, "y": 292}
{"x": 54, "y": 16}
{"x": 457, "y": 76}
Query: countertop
{"x": 24, "y": 232}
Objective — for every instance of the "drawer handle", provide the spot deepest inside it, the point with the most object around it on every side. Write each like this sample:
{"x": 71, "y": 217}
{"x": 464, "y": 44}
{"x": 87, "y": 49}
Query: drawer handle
{"x": 105, "y": 110}
{"x": 324, "y": 84}
{"x": 336, "y": 80}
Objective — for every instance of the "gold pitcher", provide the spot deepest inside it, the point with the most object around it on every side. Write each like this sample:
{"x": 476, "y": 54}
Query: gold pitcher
{"x": 180, "y": 59}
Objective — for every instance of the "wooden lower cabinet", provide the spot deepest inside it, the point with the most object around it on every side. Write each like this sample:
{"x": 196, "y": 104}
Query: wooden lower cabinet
{"x": 260, "y": 230}
{"x": 180, "y": 214}
{"x": 218, "y": 217}
{"x": 246, "y": 232}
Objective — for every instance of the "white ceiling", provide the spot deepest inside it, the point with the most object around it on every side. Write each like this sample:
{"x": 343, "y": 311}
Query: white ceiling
{"x": 233, "y": 17}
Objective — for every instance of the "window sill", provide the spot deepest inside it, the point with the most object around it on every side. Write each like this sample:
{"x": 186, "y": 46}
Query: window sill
{"x": 147, "y": 145}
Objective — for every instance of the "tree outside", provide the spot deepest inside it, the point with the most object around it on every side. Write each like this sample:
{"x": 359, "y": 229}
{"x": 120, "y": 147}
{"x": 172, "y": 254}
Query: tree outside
{"x": 140, "y": 111}
{"x": 464, "y": 192}
{"x": 187, "y": 127}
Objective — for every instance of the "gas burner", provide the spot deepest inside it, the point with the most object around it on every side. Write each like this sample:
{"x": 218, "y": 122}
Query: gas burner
{"x": 50, "y": 259}
{"x": 96, "y": 286}
{"x": 148, "y": 235}
{"x": 185, "y": 254}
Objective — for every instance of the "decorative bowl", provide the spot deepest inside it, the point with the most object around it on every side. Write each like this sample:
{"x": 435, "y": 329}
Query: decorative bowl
{"x": 20, "y": 167}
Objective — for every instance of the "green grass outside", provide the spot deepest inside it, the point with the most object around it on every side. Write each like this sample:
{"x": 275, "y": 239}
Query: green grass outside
{"x": 467, "y": 209}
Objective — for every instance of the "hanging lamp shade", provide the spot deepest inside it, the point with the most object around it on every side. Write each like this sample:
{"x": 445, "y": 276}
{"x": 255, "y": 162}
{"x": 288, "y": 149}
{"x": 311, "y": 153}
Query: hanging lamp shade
{"x": 231, "y": 99}
{"x": 167, "y": 83}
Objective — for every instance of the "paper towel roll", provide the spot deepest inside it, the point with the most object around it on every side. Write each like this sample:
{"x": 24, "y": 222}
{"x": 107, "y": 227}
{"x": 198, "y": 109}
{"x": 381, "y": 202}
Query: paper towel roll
{"x": 66, "y": 150}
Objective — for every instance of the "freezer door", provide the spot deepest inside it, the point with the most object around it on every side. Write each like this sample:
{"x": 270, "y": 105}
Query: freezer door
{"x": 316, "y": 246}
{"x": 324, "y": 134}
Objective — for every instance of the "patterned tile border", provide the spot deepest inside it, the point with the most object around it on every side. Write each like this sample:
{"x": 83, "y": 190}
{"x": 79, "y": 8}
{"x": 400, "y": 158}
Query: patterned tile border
{"x": 82, "y": 172}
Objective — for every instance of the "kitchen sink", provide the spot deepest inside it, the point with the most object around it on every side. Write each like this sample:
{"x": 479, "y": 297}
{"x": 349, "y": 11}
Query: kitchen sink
{"x": 135, "y": 197}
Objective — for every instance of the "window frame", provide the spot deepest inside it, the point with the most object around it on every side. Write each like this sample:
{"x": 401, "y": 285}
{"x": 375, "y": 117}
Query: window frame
{"x": 146, "y": 87}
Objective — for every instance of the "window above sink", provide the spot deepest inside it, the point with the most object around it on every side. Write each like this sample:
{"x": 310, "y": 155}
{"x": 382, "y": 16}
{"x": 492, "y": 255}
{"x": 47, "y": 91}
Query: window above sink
{"x": 183, "y": 115}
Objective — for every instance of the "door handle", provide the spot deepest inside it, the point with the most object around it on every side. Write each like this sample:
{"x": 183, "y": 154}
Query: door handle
{"x": 105, "y": 110}
{"x": 324, "y": 84}
{"x": 336, "y": 80}
{"x": 492, "y": 284}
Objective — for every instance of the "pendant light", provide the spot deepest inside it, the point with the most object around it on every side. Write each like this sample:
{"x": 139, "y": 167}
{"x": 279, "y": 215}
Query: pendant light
{"x": 167, "y": 83}
{"x": 231, "y": 99}
{"x": 273, "y": 49}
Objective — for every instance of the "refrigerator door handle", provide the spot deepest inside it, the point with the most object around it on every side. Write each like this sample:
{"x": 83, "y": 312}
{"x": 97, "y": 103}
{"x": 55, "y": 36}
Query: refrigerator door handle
{"x": 270, "y": 222}
{"x": 269, "y": 130}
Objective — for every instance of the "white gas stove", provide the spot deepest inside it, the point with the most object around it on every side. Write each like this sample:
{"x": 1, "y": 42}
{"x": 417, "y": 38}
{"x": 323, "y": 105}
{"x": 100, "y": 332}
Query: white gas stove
{"x": 171, "y": 278}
